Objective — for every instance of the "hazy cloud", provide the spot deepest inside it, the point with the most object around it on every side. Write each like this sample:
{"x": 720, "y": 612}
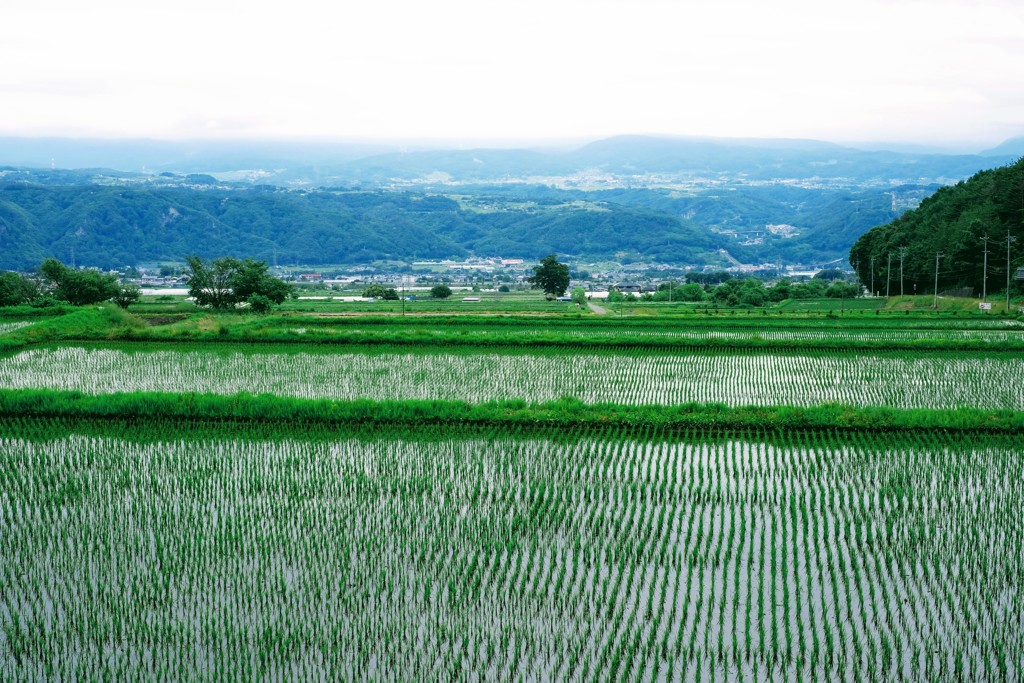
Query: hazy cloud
{"x": 56, "y": 88}
{"x": 876, "y": 69}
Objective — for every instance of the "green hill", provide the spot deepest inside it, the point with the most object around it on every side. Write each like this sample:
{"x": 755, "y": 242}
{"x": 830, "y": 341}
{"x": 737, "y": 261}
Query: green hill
{"x": 953, "y": 222}
{"x": 118, "y": 226}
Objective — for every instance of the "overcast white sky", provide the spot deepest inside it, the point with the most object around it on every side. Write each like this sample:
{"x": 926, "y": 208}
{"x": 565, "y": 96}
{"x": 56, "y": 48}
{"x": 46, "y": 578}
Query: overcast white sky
{"x": 929, "y": 71}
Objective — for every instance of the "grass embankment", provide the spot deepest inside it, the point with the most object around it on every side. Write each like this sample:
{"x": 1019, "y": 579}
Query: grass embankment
{"x": 559, "y": 415}
{"x": 327, "y": 302}
{"x": 708, "y": 320}
{"x": 26, "y": 312}
{"x": 111, "y": 324}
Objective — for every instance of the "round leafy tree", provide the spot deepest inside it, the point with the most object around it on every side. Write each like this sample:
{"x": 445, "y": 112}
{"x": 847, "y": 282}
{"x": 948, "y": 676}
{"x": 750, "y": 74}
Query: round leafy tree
{"x": 440, "y": 291}
{"x": 226, "y": 282}
{"x": 379, "y": 291}
{"x": 550, "y": 276}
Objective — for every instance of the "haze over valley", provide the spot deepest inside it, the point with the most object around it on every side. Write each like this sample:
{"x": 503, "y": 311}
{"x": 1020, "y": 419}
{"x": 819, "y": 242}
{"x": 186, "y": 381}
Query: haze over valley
{"x": 757, "y": 203}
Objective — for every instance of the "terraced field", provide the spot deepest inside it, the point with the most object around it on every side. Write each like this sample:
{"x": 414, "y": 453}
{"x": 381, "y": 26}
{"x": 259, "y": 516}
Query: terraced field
{"x": 185, "y": 537}
{"x": 146, "y": 551}
{"x": 896, "y": 379}
{"x": 6, "y": 327}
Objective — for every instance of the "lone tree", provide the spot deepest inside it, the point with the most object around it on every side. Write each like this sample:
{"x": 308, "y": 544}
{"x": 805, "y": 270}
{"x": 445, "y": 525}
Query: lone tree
{"x": 440, "y": 291}
{"x": 226, "y": 282}
{"x": 379, "y": 291}
{"x": 551, "y": 276}
{"x": 79, "y": 287}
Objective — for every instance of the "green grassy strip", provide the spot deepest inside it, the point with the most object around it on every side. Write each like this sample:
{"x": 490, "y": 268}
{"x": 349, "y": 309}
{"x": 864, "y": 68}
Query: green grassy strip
{"x": 562, "y": 414}
{"x": 111, "y": 324}
{"x": 25, "y": 311}
{"x": 44, "y": 334}
{"x": 696, "y": 321}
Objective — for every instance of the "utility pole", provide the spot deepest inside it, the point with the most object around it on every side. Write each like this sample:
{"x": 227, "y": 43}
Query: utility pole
{"x": 935, "y": 300}
{"x": 873, "y": 292}
{"x": 1009, "y": 240}
{"x": 888, "y": 270}
{"x": 856, "y": 274}
{"x": 984, "y": 272}
{"x": 902, "y": 251}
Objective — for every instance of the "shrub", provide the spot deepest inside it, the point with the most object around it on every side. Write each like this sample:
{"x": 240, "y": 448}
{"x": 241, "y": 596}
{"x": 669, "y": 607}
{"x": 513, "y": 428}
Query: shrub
{"x": 440, "y": 291}
{"x": 260, "y": 304}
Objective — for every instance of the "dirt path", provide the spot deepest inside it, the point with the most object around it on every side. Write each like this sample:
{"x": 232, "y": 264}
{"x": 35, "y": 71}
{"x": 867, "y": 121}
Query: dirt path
{"x": 597, "y": 309}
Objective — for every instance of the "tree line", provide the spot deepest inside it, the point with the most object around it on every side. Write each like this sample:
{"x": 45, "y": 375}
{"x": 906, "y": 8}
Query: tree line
{"x": 722, "y": 289}
{"x": 57, "y": 283}
{"x": 221, "y": 284}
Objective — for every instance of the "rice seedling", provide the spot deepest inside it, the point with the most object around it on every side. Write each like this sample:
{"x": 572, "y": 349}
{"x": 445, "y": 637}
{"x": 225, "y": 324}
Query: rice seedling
{"x": 508, "y": 554}
{"x": 6, "y": 327}
{"x": 897, "y": 379}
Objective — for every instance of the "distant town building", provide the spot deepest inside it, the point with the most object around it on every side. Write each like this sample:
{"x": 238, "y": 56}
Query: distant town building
{"x": 628, "y": 287}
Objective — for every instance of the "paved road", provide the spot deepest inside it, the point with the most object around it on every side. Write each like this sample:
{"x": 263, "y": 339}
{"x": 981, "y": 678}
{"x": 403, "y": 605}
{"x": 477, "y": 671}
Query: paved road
{"x": 597, "y": 309}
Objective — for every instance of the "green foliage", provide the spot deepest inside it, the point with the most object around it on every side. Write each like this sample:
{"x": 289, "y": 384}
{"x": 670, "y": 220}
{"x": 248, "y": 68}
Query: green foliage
{"x": 812, "y": 289}
{"x": 689, "y": 292}
{"x": 734, "y": 292}
{"x": 127, "y": 295}
{"x": 441, "y": 291}
{"x": 953, "y": 222}
{"x": 550, "y": 276}
{"x": 713, "y": 278}
{"x": 251, "y": 278}
{"x": 843, "y": 290}
{"x": 79, "y": 287}
{"x": 16, "y": 289}
{"x": 379, "y": 291}
{"x": 579, "y": 296}
{"x": 211, "y": 284}
{"x": 41, "y": 307}
{"x": 829, "y": 274}
{"x": 225, "y": 282}
{"x": 116, "y": 226}
{"x": 258, "y": 303}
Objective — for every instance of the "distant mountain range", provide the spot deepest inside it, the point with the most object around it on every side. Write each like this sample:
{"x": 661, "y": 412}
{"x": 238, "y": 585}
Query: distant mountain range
{"x": 638, "y": 158}
{"x": 690, "y": 201}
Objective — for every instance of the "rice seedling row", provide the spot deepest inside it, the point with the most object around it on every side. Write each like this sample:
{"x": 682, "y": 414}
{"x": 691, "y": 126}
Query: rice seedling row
{"x": 504, "y": 555}
{"x": 11, "y": 326}
{"x": 745, "y": 333}
{"x": 895, "y": 379}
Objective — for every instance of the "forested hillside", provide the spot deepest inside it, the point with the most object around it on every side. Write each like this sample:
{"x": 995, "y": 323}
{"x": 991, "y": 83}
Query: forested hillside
{"x": 954, "y": 223}
{"x": 116, "y": 226}
{"x": 112, "y": 219}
